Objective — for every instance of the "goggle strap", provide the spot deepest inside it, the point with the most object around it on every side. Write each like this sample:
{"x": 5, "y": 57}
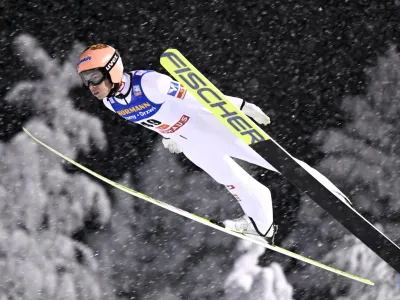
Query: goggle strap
{"x": 113, "y": 60}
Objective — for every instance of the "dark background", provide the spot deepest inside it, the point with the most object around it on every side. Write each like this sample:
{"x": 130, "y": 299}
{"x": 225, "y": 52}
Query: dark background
{"x": 297, "y": 60}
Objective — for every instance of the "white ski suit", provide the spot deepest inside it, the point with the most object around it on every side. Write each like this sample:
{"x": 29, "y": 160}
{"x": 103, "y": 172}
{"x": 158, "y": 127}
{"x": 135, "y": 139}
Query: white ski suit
{"x": 159, "y": 103}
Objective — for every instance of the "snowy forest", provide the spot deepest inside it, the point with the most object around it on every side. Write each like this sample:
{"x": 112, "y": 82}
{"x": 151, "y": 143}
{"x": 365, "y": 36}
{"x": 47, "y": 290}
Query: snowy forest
{"x": 327, "y": 73}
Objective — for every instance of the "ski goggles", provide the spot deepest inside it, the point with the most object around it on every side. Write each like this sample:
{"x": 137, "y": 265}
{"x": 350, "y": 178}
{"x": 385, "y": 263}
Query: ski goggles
{"x": 93, "y": 77}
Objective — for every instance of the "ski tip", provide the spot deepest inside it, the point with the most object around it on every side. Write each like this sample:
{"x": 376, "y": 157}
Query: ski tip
{"x": 26, "y": 131}
{"x": 169, "y": 50}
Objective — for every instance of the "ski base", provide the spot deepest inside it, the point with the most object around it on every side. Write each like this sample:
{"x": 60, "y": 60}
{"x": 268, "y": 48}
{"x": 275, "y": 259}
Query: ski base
{"x": 275, "y": 155}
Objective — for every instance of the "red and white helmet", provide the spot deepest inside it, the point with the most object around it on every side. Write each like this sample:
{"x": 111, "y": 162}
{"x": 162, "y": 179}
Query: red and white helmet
{"x": 98, "y": 62}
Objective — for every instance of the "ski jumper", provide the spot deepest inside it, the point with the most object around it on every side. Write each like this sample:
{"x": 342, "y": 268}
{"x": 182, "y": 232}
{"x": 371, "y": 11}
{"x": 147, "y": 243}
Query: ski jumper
{"x": 161, "y": 104}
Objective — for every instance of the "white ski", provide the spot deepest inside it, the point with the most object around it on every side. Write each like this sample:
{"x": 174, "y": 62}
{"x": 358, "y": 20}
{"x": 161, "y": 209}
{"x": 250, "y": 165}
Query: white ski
{"x": 202, "y": 220}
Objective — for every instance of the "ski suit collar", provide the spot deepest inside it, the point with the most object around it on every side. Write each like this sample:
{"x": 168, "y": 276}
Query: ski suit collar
{"x": 127, "y": 86}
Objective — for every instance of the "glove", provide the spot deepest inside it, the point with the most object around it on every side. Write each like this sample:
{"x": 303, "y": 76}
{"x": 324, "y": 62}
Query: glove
{"x": 253, "y": 111}
{"x": 171, "y": 145}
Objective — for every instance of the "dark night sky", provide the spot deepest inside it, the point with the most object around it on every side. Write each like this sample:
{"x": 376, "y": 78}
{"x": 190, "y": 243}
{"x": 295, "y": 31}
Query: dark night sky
{"x": 297, "y": 60}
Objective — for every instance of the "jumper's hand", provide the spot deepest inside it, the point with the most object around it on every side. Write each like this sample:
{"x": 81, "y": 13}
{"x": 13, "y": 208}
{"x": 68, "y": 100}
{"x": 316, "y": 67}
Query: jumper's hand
{"x": 171, "y": 145}
{"x": 253, "y": 111}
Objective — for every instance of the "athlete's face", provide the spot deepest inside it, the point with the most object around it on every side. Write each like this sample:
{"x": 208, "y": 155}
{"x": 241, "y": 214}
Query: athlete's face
{"x": 101, "y": 91}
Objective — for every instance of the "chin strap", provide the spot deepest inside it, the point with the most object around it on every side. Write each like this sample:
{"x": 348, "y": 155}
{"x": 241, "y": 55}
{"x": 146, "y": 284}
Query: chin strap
{"x": 114, "y": 90}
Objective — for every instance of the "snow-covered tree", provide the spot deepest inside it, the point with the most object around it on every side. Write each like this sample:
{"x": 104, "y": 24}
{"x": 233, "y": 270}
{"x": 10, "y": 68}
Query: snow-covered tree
{"x": 250, "y": 281}
{"x": 363, "y": 157}
{"x": 41, "y": 204}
